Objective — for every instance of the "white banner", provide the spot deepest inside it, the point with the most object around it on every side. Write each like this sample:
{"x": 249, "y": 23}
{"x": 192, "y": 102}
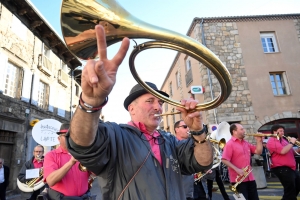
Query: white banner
{"x": 44, "y": 132}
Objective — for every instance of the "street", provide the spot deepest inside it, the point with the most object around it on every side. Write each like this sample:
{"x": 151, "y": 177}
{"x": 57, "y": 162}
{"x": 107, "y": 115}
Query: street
{"x": 273, "y": 191}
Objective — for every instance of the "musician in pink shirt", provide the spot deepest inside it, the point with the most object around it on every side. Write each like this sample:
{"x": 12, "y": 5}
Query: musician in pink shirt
{"x": 62, "y": 174}
{"x": 283, "y": 162}
{"x": 237, "y": 155}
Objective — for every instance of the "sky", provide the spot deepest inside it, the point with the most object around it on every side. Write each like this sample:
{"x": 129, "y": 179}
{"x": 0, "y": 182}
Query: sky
{"x": 176, "y": 15}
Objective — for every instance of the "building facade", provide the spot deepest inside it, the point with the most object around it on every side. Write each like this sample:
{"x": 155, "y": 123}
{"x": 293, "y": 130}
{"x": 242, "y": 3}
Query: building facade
{"x": 262, "y": 55}
{"x": 35, "y": 80}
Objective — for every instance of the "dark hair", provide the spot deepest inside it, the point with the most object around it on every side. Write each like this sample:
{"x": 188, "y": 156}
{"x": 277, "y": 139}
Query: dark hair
{"x": 276, "y": 127}
{"x": 233, "y": 127}
{"x": 177, "y": 124}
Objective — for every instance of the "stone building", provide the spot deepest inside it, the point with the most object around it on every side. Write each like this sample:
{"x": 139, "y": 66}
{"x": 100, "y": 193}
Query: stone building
{"x": 262, "y": 55}
{"x": 35, "y": 81}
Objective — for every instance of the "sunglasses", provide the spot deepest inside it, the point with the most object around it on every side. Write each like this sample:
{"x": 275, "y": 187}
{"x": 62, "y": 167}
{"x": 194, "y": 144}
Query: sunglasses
{"x": 183, "y": 126}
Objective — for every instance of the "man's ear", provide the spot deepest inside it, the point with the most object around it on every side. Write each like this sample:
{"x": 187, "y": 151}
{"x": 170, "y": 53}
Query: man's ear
{"x": 131, "y": 109}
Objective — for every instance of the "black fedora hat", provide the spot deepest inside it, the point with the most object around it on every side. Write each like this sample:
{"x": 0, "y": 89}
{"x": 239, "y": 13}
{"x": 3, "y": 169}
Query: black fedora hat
{"x": 63, "y": 128}
{"x": 138, "y": 90}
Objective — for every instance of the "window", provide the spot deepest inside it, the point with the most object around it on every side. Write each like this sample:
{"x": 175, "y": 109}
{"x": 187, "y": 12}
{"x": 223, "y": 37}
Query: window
{"x": 188, "y": 74}
{"x": 11, "y": 80}
{"x": 173, "y": 116}
{"x": 170, "y": 87}
{"x": 279, "y": 83}
{"x": 178, "y": 79}
{"x": 43, "y": 95}
{"x": 188, "y": 64}
{"x": 268, "y": 42}
{"x": 64, "y": 67}
{"x": 47, "y": 51}
{"x": 166, "y": 107}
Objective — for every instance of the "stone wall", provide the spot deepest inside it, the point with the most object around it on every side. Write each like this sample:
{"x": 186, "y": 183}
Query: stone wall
{"x": 223, "y": 40}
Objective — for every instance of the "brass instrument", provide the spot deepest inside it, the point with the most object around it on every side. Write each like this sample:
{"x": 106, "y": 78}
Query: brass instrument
{"x": 92, "y": 176}
{"x": 220, "y": 143}
{"x": 78, "y": 20}
{"x": 35, "y": 180}
{"x": 32, "y": 185}
{"x": 262, "y": 135}
{"x": 198, "y": 176}
{"x": 247, "y": 170}
{"x": 297, "y": 143}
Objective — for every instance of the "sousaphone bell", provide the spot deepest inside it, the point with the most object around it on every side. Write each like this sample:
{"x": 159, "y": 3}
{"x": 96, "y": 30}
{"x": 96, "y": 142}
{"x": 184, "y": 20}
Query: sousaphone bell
{"x": 78, "y": 20}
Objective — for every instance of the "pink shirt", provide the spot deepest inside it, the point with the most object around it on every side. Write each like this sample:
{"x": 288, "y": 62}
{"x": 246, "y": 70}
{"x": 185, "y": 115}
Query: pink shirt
{"x": 37, "y": 164}
{"x": 75, "y": 182}
{"x": 275, "y": 146}
{"x": 238, "y": 152}
{"x": 154, "y": 147}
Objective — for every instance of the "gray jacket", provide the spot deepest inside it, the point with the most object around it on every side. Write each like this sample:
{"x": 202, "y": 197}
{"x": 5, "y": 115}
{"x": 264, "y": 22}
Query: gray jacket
{"x": 27, "y": 165}
{"x": 119, "y": 150}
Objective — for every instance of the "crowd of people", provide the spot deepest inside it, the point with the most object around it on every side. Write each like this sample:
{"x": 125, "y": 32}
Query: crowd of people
{"x": 137, "y": 161}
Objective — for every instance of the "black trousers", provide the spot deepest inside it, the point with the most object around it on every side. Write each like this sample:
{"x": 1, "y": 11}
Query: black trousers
{"x": 290, "y": 181}
{"x": 2, "y": 191}
{"x": 248, "y": 189}
{"x": 220, "y": 184}
{"x": 199, "y": 192}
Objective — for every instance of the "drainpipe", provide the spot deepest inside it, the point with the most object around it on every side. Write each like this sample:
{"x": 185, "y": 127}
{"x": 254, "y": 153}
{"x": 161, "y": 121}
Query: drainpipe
{"x": 208, "y": 71}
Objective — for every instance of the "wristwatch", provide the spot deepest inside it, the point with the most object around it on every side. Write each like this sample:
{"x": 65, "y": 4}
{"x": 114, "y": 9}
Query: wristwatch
{"x": 204, "y": 130}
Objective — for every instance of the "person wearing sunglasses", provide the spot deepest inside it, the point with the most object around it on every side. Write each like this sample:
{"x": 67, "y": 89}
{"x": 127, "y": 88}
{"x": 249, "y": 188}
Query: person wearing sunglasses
{"x": 4, "y": 179}
{"x": 36, "y": 161}
{"x": 182, "y": 133}
{"x": 133, "y": 160}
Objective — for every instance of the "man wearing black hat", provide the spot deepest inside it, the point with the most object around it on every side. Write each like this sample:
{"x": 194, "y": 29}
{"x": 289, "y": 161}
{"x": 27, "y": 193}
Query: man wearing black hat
{"x": 134, "y": 160}
{"x": 62, "y": 174}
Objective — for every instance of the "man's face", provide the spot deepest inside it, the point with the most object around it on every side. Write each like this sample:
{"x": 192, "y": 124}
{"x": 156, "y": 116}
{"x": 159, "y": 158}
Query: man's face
{"x": 62, "y": 141}
{"x": 280, "y": 132}
{"x": 239, "y": 132}
{"x": 38, "y": 152}
{"x": 144, "y": 108}
{"x": 182, "y": 132}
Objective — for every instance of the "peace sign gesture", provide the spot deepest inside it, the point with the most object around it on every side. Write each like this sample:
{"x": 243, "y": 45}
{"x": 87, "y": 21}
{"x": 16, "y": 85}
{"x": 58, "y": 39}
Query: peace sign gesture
{"x": 98, "y": 77}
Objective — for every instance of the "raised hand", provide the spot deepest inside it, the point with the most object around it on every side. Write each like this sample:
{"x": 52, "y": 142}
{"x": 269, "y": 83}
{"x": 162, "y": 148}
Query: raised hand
{"x": 99, "y": 76}
{"x": 192, "y": 119}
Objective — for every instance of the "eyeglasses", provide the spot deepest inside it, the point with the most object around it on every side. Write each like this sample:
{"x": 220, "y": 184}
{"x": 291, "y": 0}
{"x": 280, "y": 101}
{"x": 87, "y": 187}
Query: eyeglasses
{"x": 38, "y": 151}
{"x": 183, "y": 126}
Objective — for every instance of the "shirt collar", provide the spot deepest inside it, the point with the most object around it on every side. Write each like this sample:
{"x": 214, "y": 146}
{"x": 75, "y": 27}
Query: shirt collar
{"x": 37, "y": 161}
{"x": 141, "y": 127}
{"x": 236, "y": 139}
{"x": 61, "y": 150}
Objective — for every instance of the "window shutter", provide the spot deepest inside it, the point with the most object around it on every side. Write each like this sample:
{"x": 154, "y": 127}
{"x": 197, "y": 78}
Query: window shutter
{"x": 20, "y": 82}
{"x": 26, "y": 87}
{"x": 35, "y": 89}
{"x": 61, "y": 106}
{"x": 3, "y": 66}
{"x": 51, "y": 99}
{"x": 46, "y": 105}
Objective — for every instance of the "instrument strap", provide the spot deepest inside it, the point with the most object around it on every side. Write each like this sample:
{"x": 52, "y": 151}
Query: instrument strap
{"x": 134, "y": 175}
